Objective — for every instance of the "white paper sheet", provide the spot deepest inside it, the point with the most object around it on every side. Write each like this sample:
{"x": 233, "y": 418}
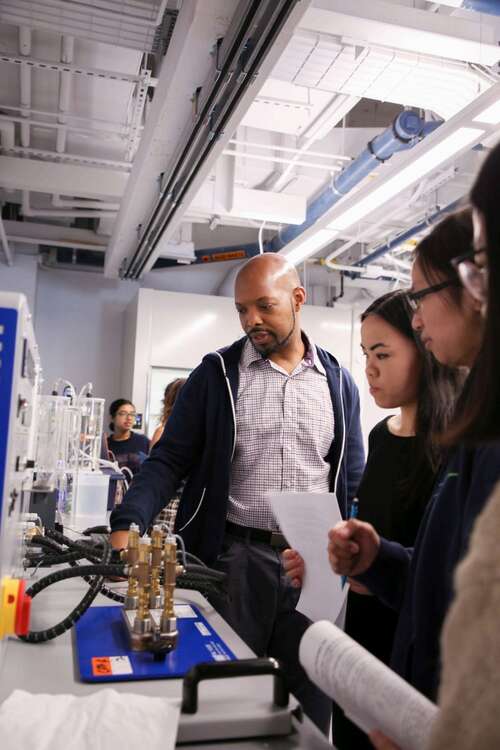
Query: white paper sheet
{"x": 104, "y": 720}
{"x": 305, "y": 519}
{"x": 371, "y": 694}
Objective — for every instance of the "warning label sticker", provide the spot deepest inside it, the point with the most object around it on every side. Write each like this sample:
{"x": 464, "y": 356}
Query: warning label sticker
{"x": 101, "y": 666}
{"x": 106, "y": 666}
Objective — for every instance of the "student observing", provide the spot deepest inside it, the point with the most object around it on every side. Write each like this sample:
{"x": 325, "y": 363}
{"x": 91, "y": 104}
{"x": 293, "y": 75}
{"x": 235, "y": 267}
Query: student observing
{"x": 129, "y": 448}
{"x": 169, "y": 397}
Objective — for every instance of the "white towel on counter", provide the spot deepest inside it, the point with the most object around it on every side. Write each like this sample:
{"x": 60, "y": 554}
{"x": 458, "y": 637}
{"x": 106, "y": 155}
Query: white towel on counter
{"x": 104, "y": 720}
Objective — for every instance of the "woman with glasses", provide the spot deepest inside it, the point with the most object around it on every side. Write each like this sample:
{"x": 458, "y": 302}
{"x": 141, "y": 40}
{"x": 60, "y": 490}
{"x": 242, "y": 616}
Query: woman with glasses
{"x": 401, "y": 466}
{"x": 127, "y": 447}
{"x": 471, "y": 666}
{"x": 469, "y": 693}
{"x": 447, "y": 319}
{"x": 419, "y": 582}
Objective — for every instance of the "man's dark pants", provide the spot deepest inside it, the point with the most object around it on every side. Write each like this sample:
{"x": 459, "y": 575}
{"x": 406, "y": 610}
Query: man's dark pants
{"x": 261, "y": 609}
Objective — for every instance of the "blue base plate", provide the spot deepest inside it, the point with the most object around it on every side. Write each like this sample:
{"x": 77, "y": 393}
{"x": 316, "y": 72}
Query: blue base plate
{"x": 103, "y": 653}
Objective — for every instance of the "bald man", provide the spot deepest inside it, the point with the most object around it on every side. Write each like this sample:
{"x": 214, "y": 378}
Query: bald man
{"x": 271, "y": 412}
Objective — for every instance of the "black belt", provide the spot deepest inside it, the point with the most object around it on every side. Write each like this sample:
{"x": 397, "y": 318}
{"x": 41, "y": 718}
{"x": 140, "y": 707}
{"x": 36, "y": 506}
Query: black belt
{"x": 273, "y": 538}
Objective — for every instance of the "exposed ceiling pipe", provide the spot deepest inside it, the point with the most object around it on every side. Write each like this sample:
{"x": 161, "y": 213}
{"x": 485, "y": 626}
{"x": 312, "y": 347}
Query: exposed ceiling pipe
{"x": 5, "y": 244}
{"x": 406, "y": 131}
{"x": 244, "y": 50}
{"x": 288, "y": 149}
{"x": 104, "y": 134}
{"x": 491, "y": 7}
{"x": 76, "y": 158}
{"x": 65, "y": 79}
{"x": 7, "y": 135}
{"x": 292, "y": 162}
{"x": 390, "y": 213}
{"x": 333, "y": 113}
{"x": 381, "y": 250}
{"x": 374, "y": 272}
{"x": 60, "y": 212}
{"x": 27, "y": 240}
{"x": 59, "y": 202}
{"x": 73, "y": 115}
{"x": 25, "y": 84}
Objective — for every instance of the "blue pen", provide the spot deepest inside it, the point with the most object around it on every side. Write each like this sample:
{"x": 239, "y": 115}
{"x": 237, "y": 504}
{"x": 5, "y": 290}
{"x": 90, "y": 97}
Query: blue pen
{"x": 353, "y": 514}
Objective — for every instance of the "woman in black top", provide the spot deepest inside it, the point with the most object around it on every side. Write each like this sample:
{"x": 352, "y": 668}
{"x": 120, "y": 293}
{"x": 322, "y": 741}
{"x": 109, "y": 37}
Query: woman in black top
{"x": 401, "y": 465}
{"x": 129, "y": 448}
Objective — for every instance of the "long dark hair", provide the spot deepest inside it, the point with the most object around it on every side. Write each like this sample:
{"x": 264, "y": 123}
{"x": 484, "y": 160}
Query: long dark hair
{"x": 479, "y": 417}
{"x": 115, "y": 407}
{"x": 438, "y": 389}
{"x": 169, "y": 397}
{"x": 451, "y": 237}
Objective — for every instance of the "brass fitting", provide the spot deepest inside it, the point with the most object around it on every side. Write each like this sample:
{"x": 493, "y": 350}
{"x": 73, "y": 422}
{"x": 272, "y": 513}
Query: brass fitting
{"x": 143, "y": 575}
{"x": 131, "y": 554}
{"x": 156, "y": 560}
{"x": 170, "y": 565}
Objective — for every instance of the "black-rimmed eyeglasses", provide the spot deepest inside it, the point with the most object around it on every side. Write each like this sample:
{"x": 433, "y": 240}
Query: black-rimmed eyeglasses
{"x": 414, "y": 298}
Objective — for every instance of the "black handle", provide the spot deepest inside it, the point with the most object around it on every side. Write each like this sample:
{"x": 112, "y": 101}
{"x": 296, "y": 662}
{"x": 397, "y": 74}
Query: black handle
{"x": 240, "y": 668}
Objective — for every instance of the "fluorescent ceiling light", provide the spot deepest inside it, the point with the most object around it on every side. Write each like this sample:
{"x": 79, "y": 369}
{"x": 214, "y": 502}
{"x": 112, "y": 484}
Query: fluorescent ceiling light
{"x": 490, "y": 115}
{"x": 406, "y": 176}
{"x": 310, "y": 245}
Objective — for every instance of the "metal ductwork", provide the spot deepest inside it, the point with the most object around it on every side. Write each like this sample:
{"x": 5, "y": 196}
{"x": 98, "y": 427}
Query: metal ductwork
{"x": 406, "y": 131}
{"x": 239, "y": 56}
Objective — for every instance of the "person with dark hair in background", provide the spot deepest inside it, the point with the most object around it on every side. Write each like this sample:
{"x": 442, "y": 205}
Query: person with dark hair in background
{"x": 169, "y": 397}
{"x": 129, "y": 448}
{"x": 419, "y": 582}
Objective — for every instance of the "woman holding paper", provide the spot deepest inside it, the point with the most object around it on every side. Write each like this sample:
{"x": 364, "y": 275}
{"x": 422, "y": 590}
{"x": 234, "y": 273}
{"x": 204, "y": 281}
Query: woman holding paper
{"x": 469, "y": 693}
{"x": 420, "y": 583}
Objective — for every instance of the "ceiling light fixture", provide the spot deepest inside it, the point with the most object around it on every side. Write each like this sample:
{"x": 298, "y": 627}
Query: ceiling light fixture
{"x": 405, "y": 177}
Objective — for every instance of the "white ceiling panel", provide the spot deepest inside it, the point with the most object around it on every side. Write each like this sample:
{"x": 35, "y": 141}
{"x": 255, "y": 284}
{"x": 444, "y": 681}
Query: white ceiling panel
{"x": 391, "y": 75}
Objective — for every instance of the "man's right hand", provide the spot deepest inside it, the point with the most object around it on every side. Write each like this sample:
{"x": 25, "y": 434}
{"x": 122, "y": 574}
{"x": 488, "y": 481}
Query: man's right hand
{"x": 352, "y": 548}
{"x": 119, "y": 539}
{"x": 294, "y": 567}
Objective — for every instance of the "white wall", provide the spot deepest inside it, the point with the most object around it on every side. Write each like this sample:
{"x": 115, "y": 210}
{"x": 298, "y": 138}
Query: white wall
{"x": 79, "y": 328}
{"x": 21, "y": 277}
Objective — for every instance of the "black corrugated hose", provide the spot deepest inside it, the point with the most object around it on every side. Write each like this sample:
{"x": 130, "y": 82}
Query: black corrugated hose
{"x": 97, "y": 571}
{"x": 195, "y": 577}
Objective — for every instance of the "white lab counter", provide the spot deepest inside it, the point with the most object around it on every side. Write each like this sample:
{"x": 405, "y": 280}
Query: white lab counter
{"x": 244, "y": 701}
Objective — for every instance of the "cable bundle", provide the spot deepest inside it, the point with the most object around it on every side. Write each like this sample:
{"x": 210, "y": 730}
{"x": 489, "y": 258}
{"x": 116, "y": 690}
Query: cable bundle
{"x": 103, "y": 562}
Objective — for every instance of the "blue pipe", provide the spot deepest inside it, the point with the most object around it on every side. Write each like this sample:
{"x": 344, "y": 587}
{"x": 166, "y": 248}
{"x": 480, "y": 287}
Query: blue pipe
{"x": 406, "y": 130}
{"x": 483, "y": 6}
{"x": 404, "y": 236}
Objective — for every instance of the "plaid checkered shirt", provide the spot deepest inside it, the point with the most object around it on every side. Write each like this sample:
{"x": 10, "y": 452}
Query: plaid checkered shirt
{"x": 284, "y": 431}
